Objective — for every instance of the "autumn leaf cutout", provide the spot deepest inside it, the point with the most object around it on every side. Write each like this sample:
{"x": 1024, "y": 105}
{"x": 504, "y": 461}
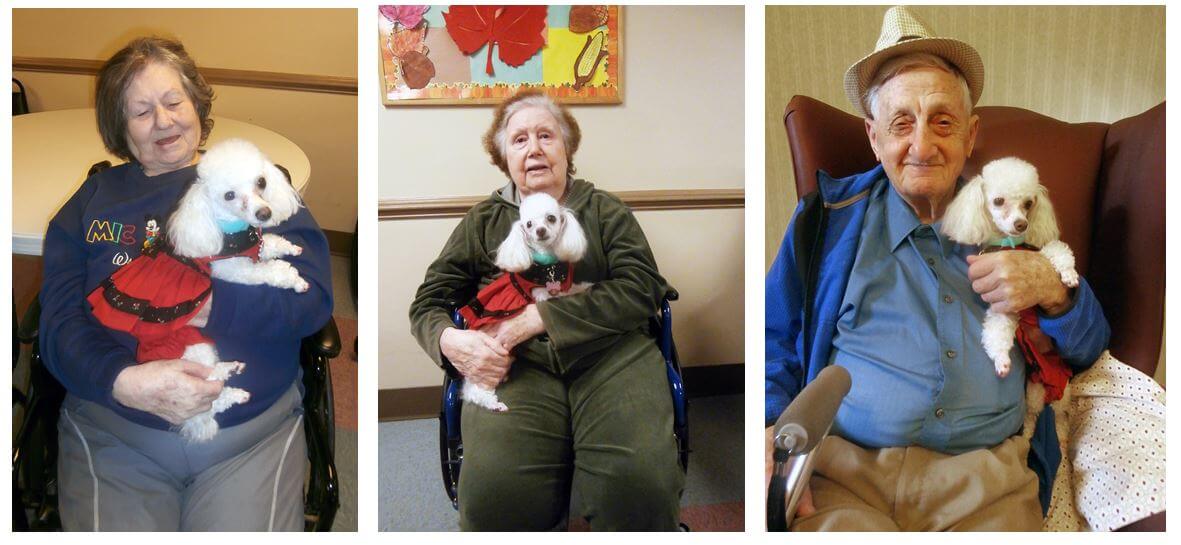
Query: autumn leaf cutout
{"x": 518, "y": 31}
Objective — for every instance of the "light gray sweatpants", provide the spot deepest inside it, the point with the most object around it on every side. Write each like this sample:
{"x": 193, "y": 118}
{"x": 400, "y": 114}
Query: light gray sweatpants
{"x": 116, "y": 475}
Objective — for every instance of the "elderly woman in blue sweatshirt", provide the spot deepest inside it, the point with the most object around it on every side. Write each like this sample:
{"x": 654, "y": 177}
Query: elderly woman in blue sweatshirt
{"x": 121, "y": 465}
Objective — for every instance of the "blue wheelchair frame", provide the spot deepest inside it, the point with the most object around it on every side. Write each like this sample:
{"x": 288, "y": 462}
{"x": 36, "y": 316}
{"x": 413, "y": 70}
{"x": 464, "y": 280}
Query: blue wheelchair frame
{"x": 451, "y": 436}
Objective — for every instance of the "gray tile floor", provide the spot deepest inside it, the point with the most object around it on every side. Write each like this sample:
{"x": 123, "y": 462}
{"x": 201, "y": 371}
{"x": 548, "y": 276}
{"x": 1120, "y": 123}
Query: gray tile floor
{"x": 410, "y": 490}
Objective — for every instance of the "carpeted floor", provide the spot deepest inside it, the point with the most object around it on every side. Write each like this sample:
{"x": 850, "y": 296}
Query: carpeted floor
{"x": 344, "y": 392}
{"x": 411, "y": 497}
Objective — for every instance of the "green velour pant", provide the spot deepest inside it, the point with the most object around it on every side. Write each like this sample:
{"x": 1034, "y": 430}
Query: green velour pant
{"x": 604, "y": 427}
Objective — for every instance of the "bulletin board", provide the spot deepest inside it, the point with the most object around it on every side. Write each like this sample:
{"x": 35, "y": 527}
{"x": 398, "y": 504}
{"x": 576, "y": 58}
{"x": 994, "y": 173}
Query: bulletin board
{"x": 469, "y": 55}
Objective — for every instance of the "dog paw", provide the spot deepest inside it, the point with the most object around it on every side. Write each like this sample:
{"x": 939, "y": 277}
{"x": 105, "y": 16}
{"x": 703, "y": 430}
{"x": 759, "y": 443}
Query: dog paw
{"x": 1003, "y": 365}
{"x": 499, "y": 407}
{"x": 296, "y": 250}
{"x": 199, "y": 429}
{"x": 237, "y": 395}
{"x": 1070, "y": 278}
{"x": 300, "y": 285}
{"x": 225, "y": 369}
{"x": 228, "y": 398}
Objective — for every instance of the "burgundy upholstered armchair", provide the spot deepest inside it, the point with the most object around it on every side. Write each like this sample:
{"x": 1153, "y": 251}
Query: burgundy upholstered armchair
{"x": 1108, "y": 186}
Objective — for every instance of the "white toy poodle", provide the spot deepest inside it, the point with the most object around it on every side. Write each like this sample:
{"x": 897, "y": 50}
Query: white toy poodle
{"x": 537, "y": 256}
{"x": 238, "y": 191}
{"x": 547, "y": 233}
{"x": 1006, "y": 206}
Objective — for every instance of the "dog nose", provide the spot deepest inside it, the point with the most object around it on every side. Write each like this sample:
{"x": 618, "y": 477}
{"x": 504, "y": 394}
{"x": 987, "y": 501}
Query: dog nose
{"x": 1020, "y": 225}
{"x": 541, "y": 232}
{"x": 263, "y": 214}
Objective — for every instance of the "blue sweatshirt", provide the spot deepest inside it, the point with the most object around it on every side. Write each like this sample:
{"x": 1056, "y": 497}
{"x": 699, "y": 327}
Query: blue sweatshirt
{"x": 103, "y": 226}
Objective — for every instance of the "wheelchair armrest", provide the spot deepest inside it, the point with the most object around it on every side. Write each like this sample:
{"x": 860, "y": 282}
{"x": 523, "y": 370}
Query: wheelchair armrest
{"x": 31, "y": 323}
{"x": 672, "y": 294}
{"x": 325, "y": 342}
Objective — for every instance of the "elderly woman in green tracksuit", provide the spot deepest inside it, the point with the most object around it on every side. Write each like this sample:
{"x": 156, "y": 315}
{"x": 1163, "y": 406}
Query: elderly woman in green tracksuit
{"x": 585, "y": 384}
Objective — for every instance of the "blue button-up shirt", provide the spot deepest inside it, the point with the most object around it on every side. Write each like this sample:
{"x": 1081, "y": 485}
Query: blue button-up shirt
{"x": 909, "y": 334}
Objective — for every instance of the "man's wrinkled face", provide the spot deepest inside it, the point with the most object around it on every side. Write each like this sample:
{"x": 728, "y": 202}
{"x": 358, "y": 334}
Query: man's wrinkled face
{"x": 922, "y": 134}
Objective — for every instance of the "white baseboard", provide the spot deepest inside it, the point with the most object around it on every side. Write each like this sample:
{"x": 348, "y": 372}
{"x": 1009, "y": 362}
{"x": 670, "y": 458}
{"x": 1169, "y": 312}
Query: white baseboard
{"x": 26, "y": 244}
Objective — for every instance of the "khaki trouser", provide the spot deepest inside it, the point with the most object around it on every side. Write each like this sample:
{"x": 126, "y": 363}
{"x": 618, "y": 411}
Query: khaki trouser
{"x": 605, "y": 426}
{"x": 916, "y": 489}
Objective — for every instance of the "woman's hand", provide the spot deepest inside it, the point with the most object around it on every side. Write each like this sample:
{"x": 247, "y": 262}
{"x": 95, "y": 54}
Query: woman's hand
{"x": 200, "y": 319}
{"x": 174, "y": 390}
{"x": 476, "y": 355}
{"x": 519, "y": 328}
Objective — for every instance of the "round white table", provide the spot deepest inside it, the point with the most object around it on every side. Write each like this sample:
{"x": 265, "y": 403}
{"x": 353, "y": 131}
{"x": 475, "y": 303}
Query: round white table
{"x": 51, "y": 152}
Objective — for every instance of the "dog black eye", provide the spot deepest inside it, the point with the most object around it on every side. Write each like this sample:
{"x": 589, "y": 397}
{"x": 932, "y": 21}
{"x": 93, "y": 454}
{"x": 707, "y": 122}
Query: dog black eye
{"x": 261, "y": 183}
{"x": 998, "y": 201}
{"x": 229, "y": 195}
{"x": 528, "y": 225}
{"x": 550, "y": 218}
{"x": 1028, "y": 205}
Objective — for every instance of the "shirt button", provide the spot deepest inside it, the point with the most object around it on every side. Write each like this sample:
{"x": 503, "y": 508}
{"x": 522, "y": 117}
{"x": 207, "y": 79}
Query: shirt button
{"x": 939, "y": 412}
{"x": 947, "y": 299}
{"x": 931, "y": 261}
{"x": 950, "y": 354}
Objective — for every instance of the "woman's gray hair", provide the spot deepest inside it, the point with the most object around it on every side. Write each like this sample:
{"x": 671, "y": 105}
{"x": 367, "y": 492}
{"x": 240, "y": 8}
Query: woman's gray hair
{"x": 909, "y": 61}
{"x": 496, "y": 138}
{"x": 117, "y": 73}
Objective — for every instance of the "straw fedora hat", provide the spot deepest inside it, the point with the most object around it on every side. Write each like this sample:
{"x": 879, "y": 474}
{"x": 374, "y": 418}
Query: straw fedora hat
{"x": 903, "y": 33}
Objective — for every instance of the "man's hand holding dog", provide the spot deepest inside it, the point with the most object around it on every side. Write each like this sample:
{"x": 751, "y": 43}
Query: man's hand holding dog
{"x": 476, "y": 355}
{"x": 1016, "y": 280}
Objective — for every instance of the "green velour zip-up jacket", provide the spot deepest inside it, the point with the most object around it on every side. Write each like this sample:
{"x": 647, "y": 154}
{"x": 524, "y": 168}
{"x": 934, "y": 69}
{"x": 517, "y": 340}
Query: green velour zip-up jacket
{"x": 627, "y": 286}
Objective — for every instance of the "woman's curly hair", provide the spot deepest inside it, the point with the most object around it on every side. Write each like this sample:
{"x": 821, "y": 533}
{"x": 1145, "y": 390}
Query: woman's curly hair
{"x": 117, "y": 73}
{"x": 495, "y": 139}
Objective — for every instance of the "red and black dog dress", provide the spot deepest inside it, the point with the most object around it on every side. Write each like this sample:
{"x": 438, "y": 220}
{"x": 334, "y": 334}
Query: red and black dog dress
{"x": 1046, "y": 367}
{"x": 510, "y": 293}
{"x": 155, "y": 295}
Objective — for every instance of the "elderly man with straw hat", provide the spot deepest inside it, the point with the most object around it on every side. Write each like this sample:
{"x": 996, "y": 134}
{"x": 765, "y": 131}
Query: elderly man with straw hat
{"x": 928, "y": 437}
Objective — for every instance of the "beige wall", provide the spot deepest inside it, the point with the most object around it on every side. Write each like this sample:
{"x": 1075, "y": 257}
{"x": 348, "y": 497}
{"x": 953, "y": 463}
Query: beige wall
{"x": 316, "y": 42}
{"x": 680, "y": 126}
{"x": 1072, "y": 63}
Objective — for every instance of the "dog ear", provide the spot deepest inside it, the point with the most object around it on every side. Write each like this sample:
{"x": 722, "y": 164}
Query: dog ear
{"x": 280, "y": 195}
{"x": 1043, "y": 224}
{"x": 192, "y": 229}
{"x": 572, "y": 244}
{"x": 967, "y": 219}
{"x": 513, "y": 254}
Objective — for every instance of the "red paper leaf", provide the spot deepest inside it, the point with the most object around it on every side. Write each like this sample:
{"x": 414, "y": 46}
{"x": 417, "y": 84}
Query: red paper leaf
{"x": 518, "y": 30}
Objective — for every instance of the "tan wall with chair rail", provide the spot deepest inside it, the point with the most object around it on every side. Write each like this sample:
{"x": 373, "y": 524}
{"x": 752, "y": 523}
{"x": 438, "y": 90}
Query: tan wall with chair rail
{"x": 1073, "y": 63}
{"x": 680, "y": 127}
{"x": 321, "y": 42}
